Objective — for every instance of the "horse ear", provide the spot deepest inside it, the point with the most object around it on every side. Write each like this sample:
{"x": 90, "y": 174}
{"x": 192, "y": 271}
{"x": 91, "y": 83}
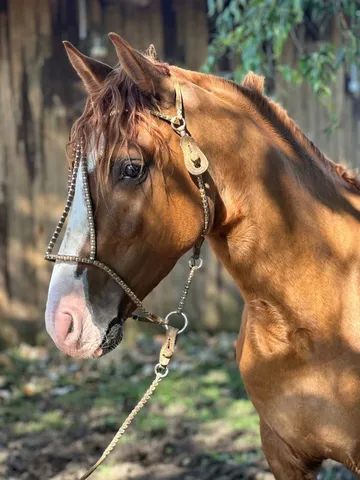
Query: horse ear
{"x": 152, "y": 78}
{"x": 254, "y": 82}
{"x": 92, "y": 72}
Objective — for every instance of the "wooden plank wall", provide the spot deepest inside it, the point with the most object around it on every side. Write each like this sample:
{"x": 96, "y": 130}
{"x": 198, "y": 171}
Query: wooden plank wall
{"x": 39, "y": 98}
{"x": 33, "y": 124}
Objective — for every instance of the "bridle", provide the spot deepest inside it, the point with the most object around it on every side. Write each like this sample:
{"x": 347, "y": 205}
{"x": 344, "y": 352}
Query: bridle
{"x": 196, "y": 164}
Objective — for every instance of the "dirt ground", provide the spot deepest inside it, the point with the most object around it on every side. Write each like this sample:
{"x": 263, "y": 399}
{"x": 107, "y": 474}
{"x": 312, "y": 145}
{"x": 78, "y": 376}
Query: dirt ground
{"x": 57, "y": 415}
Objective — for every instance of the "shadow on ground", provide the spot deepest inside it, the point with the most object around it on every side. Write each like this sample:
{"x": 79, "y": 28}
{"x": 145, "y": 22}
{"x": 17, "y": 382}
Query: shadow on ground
{"x": 57, "y": 415}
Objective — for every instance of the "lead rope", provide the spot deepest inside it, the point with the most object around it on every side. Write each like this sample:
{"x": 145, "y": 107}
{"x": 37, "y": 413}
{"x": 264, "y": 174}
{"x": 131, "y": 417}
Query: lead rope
{"x": 146, "y": 397}
{"x": 161, "y": 368}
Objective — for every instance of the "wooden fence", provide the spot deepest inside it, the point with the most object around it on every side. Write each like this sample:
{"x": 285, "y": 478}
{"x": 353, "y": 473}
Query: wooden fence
{"x": 39, "y": 98}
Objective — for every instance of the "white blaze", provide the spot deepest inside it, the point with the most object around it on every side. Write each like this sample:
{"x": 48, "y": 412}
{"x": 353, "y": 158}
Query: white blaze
{"x": 77, "y": 230}
{"x": 67, "y": 291}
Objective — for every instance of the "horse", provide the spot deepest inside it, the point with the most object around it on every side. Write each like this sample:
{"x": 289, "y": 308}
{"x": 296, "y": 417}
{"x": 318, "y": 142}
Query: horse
{"x": 283, "y": 220}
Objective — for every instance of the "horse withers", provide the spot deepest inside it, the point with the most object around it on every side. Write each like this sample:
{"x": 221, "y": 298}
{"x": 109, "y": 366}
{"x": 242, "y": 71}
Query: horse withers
{"x": 284, "y": 220}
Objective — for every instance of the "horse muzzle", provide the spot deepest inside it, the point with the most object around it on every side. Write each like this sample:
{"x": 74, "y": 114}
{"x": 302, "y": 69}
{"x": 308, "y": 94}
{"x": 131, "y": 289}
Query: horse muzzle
{"x": 79, "y": 326}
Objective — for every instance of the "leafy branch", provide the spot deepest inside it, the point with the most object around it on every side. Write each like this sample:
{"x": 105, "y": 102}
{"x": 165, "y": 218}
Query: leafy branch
{"x": 252, "y": 34}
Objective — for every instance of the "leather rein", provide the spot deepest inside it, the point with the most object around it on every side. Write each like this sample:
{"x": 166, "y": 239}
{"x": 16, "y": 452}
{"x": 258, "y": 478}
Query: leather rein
{"x": 196, "y": 164}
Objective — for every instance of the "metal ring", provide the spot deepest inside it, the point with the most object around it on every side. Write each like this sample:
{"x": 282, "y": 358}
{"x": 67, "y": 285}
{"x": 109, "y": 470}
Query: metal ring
{"x": 161, "y": 371}
{"x": 195, "y": 263}
{"x": 178, "y": 123}
{"x": 175, "y": 312}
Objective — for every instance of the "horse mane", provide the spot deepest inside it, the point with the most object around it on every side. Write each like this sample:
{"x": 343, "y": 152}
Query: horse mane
{"x": 252, "y": 87}
{"x": 112, "y": 118}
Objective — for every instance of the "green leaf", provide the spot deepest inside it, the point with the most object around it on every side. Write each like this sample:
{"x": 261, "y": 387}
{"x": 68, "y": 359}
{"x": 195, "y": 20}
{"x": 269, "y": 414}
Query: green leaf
{"x": 254, "y": 33}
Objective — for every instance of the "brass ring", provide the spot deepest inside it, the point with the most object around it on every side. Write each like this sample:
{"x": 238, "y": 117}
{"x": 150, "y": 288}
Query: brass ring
{"x": 175, "y": 312}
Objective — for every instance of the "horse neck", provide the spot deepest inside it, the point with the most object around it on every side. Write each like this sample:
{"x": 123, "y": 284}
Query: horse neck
{"x": 284, "y": 225}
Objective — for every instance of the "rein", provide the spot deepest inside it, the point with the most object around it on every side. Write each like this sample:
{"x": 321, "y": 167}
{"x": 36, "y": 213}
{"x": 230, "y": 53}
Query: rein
{"x": 196, "y": 164}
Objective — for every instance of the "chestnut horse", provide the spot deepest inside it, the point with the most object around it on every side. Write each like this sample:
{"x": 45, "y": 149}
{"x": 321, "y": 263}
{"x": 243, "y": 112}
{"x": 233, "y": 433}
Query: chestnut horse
{"x": 284, "y": 222}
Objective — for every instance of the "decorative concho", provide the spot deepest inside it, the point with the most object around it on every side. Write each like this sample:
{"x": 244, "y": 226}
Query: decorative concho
{"x": 195, "y": 160}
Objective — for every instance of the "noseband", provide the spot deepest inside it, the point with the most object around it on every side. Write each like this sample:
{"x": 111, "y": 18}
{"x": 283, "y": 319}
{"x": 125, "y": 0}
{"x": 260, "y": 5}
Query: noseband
{"x": 196, "y": 164}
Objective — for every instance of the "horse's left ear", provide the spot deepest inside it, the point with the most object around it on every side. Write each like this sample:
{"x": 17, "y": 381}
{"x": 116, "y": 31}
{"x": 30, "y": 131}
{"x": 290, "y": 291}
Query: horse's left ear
{"x": 151, "y": 77}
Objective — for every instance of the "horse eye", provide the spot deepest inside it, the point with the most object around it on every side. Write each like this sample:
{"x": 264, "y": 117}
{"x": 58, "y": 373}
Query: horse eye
{"x": 130, "y": 169}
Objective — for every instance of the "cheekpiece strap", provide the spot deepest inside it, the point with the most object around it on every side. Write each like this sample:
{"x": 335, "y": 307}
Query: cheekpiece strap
{"x": 195, "y": 160}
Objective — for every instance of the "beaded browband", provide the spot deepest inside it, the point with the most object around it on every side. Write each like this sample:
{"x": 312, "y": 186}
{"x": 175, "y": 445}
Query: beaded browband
{"x": 195, "y": 162}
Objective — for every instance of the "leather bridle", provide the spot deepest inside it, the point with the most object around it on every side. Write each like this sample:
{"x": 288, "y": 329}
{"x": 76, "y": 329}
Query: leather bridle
{"x": 196, "y": 164}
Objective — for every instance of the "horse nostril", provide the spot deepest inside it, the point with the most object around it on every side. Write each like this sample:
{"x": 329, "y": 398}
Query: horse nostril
{"x": 64, "y": 326}
{"x": 71, "y": 327}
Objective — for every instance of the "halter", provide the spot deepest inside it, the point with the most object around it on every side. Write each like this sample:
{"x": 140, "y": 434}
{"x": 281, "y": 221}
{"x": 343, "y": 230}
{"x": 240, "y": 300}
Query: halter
{"x": 195, "y": 162}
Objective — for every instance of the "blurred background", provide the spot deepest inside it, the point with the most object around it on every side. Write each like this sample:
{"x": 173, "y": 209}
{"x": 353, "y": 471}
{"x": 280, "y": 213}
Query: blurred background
{"x": 65, "y": 410}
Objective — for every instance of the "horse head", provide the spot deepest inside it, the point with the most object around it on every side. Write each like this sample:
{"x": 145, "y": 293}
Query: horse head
{"x": 146, "y": 208}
